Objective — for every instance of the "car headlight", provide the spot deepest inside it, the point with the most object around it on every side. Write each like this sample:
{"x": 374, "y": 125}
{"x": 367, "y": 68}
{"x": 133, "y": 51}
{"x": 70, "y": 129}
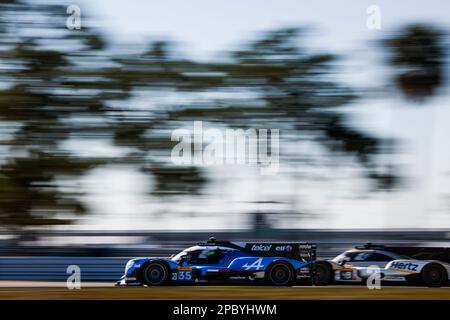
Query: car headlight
{"x": 128, "y": 265}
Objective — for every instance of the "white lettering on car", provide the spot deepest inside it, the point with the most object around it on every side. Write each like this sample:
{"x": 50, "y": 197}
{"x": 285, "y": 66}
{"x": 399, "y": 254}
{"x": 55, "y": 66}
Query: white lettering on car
{"x": 257, "y": 264}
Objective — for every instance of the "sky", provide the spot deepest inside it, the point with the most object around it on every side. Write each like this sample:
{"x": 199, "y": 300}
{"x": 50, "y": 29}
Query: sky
{"x": 206, "y": 29}
{"x": 207, "y": 26}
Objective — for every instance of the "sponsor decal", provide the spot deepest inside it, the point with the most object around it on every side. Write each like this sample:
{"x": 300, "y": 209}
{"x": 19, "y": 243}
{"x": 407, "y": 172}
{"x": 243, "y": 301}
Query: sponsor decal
{"x": 257, "y": 264}
{"x": 404, "y": 265}
{"x": 287, "y": 248}
{"x": 347, "y": 275}
{"x": 261, "y": 247}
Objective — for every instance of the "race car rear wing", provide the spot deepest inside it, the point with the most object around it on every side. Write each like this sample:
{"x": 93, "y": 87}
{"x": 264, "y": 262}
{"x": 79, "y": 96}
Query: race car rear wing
{"x": 294, "y": 250}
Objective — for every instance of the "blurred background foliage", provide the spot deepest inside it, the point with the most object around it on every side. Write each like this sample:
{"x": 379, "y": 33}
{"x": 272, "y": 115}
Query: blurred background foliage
{"x": 417, "y": 54}
{"x": 59, "y": 85}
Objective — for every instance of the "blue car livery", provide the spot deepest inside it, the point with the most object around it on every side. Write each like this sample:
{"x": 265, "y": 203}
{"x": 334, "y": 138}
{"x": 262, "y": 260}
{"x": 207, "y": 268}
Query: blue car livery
{"x": 279, "y": 264}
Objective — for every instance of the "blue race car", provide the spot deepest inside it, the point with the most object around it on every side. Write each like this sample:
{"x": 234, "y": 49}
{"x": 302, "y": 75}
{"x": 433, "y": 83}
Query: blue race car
{"x": 277, "y": 264}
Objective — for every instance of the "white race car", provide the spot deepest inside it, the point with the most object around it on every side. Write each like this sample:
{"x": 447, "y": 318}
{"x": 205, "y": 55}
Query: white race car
{"x": 419, "y": 265}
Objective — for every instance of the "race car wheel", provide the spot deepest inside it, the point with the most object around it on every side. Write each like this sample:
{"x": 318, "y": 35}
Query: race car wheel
{"x": 434, "y": 275}
{"x": 280, "y": 274}
{"x": 155, "y": 273}
{"x": 323, "y": 273}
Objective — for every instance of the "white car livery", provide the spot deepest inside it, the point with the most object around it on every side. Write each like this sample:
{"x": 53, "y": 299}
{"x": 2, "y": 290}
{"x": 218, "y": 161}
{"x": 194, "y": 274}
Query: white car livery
{"x": 419, "y": 265}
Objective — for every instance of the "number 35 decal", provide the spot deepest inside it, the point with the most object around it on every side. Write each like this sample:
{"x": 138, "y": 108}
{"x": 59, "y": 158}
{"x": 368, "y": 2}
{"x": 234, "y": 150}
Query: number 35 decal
{"x": 182, "y": 276}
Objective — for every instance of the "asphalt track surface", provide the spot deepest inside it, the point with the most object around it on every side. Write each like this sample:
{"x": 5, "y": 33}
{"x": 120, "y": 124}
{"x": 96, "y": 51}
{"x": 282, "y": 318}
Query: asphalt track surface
{"x": 38, "y": 290}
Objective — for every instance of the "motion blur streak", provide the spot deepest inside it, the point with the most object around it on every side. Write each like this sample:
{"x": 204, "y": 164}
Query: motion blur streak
{"x": 86, "y": 125}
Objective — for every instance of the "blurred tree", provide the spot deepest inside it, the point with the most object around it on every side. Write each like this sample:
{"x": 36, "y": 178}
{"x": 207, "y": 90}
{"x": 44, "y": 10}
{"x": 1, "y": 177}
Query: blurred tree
{"x": 417, "y": 55}
{"x": 59, "y": 85}
{"x": 290, "y": 89}
{"x": 44, "y": 88}
{"x": 158, "y": 70}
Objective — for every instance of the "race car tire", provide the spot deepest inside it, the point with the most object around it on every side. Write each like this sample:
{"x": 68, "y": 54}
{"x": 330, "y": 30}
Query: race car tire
{"x": 155, "y": 274}
{"x": 323, "y": 273}
{"x": 280, "y": 274}
{"x": 434, "y": 275}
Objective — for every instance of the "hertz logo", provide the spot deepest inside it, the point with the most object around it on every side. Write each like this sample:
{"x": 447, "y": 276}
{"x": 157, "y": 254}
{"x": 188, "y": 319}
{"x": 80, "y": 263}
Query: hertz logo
{"x": 405, "y": 266}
